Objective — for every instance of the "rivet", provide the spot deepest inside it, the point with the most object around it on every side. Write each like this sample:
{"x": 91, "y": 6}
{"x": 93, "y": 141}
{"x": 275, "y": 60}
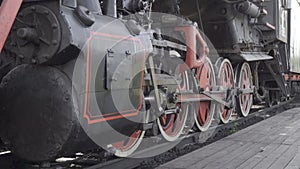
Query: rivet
{"x": 4, "y": 80}
{"x": 46, "y": 56}
{"x": 223, "y": 11}
{"x": 110, "y": 51}
{"x": 216, "y": 27}
{"x": 113, "y": 79}
{"x": 13, "y": 44}
{"x": 54, "y": 26}
{"x": 34, "y": 61}
{"x": 54, "y": 42}
{"x": 127, "y": 52}
{"x": 21, "y": 56}
{"x": 67, "y": 98}
{"x": 46, "y": 12}
{"x": 33, "y": 8}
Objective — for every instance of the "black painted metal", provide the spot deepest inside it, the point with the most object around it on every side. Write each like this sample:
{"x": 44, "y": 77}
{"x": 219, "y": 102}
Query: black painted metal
{"x": 40, "y": 121}
{"x": 249, "y": 8}
{"x": 92, "y": 5}
{"x": 70, "y": 3}
{"x": 167, "y": 6}
{"x": 38, "y": 38}
{"x": 85, "y": 15}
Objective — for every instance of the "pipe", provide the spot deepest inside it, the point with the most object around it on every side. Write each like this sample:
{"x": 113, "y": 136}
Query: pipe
{"x": 110, "y": 8}
{"x": 249, "y": 8}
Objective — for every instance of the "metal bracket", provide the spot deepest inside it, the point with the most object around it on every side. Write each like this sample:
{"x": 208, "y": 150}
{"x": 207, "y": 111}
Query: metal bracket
{"x": 116, "y": 63}
{"x": 147, "y": 126}
{"x": 245, "y": 91}
{"x": 165, "y": 43}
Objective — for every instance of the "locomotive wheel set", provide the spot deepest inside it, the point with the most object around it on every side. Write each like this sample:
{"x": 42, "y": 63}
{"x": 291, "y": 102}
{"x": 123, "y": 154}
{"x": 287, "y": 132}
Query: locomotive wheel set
{"x": 79, "y": 75}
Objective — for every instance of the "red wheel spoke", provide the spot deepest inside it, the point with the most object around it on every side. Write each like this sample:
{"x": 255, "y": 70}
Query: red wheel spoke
{"x": 226, "y": 80}
{"x": 225, "y": 113}
{"x": 206, "y": 80}
{"x": 164, "y": 119}
{"x": 204, "y": 106}
{"x": 244, "y": 82}
{"x": 171, "y": 125}
{"x": 129, "y": 145}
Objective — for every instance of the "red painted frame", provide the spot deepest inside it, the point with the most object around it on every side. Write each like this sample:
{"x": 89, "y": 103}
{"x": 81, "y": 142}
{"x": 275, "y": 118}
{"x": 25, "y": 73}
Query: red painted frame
{"x": 192, "y": 36}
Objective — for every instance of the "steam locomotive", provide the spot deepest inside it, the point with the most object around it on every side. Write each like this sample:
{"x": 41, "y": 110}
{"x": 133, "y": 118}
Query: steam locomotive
{"x": 79, "y": 74}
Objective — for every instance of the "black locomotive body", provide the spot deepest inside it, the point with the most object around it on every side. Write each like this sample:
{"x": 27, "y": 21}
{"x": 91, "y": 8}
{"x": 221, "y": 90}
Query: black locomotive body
{"x": 254, "y": 31}
{"x": 84, "y": 74}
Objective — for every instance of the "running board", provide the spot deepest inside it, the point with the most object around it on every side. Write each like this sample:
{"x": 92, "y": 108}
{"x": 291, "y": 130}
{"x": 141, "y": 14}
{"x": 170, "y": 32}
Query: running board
{"x": 255, "y": 56}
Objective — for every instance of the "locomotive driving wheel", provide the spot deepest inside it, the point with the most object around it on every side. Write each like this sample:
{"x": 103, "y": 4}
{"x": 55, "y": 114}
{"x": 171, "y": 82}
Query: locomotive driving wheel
{"x": 244, "y": 82}
{"x": 205, "y": 109}
{"x": 225, "y": 80}
{"x": 126, "y": 147}
{"x": 129, "y": 144}
{"x": 172, "y": 123}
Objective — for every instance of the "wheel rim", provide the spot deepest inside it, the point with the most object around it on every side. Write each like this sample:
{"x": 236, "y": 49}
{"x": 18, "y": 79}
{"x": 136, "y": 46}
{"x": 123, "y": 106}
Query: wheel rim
{"x": 226, "y": 81}
{"x": 245, "y": 82}
{"x": 127, "y": 147}
{"x": 205, "y": 109}
{"x": 172, "y": 125}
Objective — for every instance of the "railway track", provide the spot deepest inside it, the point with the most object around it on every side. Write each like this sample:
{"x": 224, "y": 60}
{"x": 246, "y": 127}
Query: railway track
{"x": 188, "y": 143}
{"x": 194, "y": 141}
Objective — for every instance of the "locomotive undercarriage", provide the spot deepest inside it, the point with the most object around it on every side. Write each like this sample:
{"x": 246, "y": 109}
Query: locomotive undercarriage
{"x": 176, "y": 82}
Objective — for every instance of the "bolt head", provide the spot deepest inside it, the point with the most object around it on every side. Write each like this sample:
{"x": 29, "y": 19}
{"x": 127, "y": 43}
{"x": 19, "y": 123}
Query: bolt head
{"x": 34, "y": 61}
{"x": 46, "y": 56}
{"x": 20, "y": 14}
{"x": 54, "y": 26}
{"x": 33, "y": 8}
{"x": 54, "y": 42}
{"x": 13, "y": 44}
{"x": 127, "y": 52}
{"x": 46, "y": 12}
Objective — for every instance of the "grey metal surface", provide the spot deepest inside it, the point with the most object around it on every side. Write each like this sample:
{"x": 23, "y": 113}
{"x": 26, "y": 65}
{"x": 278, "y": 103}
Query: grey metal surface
{"x": 255, "y": 56}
